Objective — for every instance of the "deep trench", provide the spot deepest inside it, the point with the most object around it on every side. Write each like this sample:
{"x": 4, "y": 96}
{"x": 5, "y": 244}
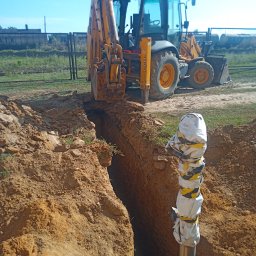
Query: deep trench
{"x": 140, "y": 243}
{"x": 148, "y": 237}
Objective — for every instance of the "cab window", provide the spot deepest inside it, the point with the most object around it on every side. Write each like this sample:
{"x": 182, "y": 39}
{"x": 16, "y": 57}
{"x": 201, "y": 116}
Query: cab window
{"x": 152, "y": 17}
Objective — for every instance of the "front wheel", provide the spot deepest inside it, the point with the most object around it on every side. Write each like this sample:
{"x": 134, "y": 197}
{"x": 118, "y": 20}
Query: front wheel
{"x": 164, "y": 75}
{"x": 201, "y": 75}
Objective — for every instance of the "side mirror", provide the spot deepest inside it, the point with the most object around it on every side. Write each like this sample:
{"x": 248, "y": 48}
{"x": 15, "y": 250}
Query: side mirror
{"x": 193, "y": 2}
{"x": 186, "y": 24}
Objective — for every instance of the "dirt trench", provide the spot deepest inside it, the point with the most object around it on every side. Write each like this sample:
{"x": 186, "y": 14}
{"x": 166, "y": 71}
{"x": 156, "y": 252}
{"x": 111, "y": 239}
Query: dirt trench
{"x": 146, "y": 181}
{"x": 56, "y": 196}
{"x": 143, "y": 177}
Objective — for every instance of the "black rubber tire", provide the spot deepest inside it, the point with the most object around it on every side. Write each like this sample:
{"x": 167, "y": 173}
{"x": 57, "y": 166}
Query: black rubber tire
{"x": 157, "y": 91}
{"x": 206, "y": 68}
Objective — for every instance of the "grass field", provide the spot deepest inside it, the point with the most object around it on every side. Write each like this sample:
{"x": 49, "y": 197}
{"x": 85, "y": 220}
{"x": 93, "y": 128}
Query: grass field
{"x": 37, "y": 67}
{"x": 242, "y": 66}
{"x": 214, "y": 117}
{"x": 32, "y": 65}
{"x": 53, "y": 77}
{"x": 33, "y": 89}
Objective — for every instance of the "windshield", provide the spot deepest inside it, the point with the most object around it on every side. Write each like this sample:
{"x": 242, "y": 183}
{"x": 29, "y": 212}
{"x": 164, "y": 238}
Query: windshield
{"x": 117, "y": 6}
{"x": 174, "y": 22}
{"x": 153, "y": 16}
{"x": 132, "y": 8}
{"x": 174, "y": 19}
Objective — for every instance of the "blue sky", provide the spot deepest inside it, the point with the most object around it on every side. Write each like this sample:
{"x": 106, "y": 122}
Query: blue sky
{"x": 72, "y": 16}
{"x": 61, "y": 15}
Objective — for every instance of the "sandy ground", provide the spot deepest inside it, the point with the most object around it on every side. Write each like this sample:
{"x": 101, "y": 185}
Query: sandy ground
{"x": 56, "y": 196}
{"x": 211, "y": 97}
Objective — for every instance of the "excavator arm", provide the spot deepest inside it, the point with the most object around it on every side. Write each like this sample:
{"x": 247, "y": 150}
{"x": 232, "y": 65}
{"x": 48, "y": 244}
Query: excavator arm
{"x": 104, "y": 53}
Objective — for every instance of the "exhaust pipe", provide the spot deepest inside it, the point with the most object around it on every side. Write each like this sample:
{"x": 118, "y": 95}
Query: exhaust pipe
{"x": 187, "y": 251}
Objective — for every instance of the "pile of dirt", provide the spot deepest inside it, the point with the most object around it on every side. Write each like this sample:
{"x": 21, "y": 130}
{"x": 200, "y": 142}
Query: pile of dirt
{"x": 228, "y": 221}
{"x": 56, "y": 196}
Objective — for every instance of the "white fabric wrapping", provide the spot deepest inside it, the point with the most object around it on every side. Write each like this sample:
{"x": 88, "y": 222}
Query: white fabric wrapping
{"x": 186, "y": 234}
{"x": 189, "y": 207}
{"x": 193, "y": 127}
{"x": 189, "y": 144}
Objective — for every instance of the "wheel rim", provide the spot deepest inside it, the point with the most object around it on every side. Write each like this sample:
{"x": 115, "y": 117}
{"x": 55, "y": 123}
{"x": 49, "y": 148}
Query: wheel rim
{"x": 167, "y": 76}
{"x": 201, "y": 76}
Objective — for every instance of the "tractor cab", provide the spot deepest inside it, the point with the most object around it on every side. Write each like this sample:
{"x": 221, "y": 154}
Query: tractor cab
{"x": 158, "y": 19}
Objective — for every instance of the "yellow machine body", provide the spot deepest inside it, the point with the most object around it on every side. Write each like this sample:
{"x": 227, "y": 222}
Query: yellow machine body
{"x": 105, "y": 56}
{"x": 189, "y": 48}
{"x": 145, "y": 60}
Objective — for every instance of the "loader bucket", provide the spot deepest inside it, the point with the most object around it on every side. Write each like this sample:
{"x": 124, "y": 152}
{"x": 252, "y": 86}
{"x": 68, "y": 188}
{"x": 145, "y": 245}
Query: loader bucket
{"x": 220, "y": 66}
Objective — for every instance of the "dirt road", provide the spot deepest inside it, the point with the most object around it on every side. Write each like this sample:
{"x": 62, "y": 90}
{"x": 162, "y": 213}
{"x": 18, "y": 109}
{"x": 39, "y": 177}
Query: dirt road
{"x": 233, "y": 94}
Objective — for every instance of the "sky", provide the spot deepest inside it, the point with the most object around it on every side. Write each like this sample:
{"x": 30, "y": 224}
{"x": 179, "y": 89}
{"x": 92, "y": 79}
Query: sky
{"x": 73, "y": 15}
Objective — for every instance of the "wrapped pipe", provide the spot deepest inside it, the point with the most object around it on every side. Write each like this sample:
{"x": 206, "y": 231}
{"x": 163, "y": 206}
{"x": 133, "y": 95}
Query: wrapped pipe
{"x": 189, "y": 145}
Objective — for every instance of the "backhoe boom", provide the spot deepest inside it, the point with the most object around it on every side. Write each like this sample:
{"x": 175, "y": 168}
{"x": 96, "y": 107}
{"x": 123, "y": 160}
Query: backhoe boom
{"x": 105, "y": 55}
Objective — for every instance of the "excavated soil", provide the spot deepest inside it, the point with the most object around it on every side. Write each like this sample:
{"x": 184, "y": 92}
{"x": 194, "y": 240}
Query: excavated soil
{"x": 57, "y": 197}
{"x": 148, "y": 179}
{"x": 228, "y": 222}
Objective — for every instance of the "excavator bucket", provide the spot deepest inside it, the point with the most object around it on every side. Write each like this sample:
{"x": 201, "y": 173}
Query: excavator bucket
{"x": 220, "y": 66}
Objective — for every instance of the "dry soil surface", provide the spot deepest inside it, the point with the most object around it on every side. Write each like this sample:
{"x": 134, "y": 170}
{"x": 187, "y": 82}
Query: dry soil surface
{"x": 56, "y": 195}
{"x": 221, "y": 96}
{"x": 228, "y": 220}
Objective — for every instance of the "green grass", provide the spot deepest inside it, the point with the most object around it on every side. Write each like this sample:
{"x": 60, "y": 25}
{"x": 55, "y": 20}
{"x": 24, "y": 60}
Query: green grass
{"x": 225, "y": 89}
{"x": 27, "y": 68}
{"x": 4, "y": 173}
{"x": 4, "y": 156}
{"x": 88, "y": 138}
{"x": 242, "y": 60}
{"x": 61, "y": 75}
{"x": 25, "y": 88}
{"x": 214, "y": 117}
{"x": 69, "y": 140}
{"x": 20, "y": 65}
{"x": 56, "y": 66}
{"x": 241, "y": 83}
{"x": 28, "y": 75}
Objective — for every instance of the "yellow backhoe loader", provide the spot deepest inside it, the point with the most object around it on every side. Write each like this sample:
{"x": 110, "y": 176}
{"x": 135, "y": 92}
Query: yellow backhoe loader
{"x": 141, "y": 42}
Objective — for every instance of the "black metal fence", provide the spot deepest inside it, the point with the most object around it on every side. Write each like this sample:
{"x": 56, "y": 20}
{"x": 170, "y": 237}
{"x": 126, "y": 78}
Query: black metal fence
{"x": 42, "y": 56}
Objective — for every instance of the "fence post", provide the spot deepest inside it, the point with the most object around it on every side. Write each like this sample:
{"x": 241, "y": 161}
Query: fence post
{"x": 72, "y": 57}
{"x": 75, "y": 52}
{"x": 69, "y": 56}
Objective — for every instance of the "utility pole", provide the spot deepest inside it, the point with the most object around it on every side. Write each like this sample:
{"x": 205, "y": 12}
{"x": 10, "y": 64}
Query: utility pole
{"x": 44, "y": 24}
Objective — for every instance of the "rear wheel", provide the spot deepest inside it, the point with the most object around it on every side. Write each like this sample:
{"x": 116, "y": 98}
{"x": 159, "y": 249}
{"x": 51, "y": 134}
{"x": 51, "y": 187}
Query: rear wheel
{"x": 201, "y": 75}
{"x": 164, "y": 75}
